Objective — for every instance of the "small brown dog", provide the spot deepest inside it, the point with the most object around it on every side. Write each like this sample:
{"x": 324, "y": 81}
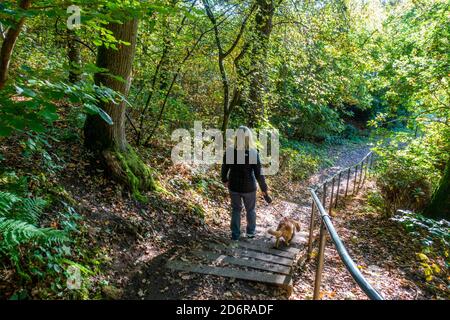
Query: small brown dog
{"x": 286, "y": 230}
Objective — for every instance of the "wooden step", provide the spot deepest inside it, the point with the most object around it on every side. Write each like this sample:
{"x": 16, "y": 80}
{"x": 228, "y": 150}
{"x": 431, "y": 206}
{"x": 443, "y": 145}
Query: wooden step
{"x": 294, "y": 247}
{"x": 284, "y": 281}
{"x": 242, "y": 252}
{"x": 262, "y": 247}
{"x": 250, "y": 263}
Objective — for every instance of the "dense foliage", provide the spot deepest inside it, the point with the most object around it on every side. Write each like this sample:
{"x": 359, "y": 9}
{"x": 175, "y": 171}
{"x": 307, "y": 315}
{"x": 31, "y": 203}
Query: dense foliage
{"x": 317, "y": 71}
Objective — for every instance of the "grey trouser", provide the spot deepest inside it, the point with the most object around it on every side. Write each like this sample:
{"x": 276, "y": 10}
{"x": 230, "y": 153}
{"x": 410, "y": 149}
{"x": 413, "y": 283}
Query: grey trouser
{"x": 249, "y": 200}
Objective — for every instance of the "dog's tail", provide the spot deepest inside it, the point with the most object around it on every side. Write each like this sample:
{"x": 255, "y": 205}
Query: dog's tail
{"x": 297, "y": 226}
{"x": 275, "y": 233}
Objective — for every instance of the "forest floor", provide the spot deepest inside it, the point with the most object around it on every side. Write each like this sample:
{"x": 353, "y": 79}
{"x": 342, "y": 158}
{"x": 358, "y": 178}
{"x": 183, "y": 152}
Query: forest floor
{"x": 134, "y": 241}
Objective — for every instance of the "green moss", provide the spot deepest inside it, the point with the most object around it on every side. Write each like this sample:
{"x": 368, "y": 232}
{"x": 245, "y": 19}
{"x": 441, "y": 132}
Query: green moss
{"x": 137, "y": 175}
{"x": 58, "y": 192}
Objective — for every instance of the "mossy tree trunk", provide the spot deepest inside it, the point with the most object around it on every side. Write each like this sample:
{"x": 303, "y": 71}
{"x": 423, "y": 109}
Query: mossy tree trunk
{"x": 261, "y": 37}
{"x": 440, "y": 202}
{"x": 109, "y": 141}
{"x": 74, "y": 56}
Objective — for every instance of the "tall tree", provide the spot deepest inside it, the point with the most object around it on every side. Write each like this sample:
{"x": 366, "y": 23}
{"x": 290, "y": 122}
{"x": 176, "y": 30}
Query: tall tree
{"x": 10, "y": 39}
{"x": 262, "y": 29}
{"x": 229, "y": 100}
{"x": 109, "y": 140}
{"x": 74, "y": 56}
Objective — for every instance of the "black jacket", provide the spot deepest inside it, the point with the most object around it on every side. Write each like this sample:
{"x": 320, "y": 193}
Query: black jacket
{"x": 243, "y": 177}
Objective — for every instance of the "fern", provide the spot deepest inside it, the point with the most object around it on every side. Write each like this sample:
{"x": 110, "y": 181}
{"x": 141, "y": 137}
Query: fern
{"x": 30, "y": 209}
{"x": 25, "y": 209}
{"x": 7, "y": 201}
{"x": 19, "y": 218}
{"x": 17, "y": 232}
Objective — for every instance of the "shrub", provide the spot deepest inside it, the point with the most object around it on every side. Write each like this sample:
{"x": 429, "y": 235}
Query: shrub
{"x": 298, "y": 165}
{"x": 434, "y": 237}
{"x": 407, "y": 172}
{"x": 309, "y": 122}
{"x": 350, "y": 132}
{"x": 40, "y": 246}
{"x": 404, "y": 184}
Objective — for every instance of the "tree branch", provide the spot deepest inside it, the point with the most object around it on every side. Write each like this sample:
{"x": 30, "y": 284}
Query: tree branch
{"x": 241, "y": 32}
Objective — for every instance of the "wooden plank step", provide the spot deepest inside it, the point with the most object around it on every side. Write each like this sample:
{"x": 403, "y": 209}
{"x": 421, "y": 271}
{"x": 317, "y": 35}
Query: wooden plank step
{"x": 241, "y": 252}
{"x": 258, "y": 276}
{"x": 266, "y": 249}
{"x": 254, "y": 264}
{"x": 270, "y": 243}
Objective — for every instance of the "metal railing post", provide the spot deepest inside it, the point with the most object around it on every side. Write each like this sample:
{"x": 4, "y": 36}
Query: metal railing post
{"x": 365, "y": 171}
{"x": 354, "y": 181}
{"x": 338, "y": 188}
{"x": 348, "y": 178}
{"x": 331, "y": 196}
{"x": 311, "y": 231}
{"x": 320, "y": 257}
{"x": 371, "y": 162}
{"x": 360, "y": 175}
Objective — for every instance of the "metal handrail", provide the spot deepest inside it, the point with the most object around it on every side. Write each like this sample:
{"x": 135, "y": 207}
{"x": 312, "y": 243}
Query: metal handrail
{"x": 345, "y": 257}
{"x": 327, "y": 225}
{"x": 370, "y": 154}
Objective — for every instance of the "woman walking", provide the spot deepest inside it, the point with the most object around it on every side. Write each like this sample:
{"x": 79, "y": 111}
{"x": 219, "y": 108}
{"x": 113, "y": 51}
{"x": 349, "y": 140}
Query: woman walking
{"x": 241, "y": 169}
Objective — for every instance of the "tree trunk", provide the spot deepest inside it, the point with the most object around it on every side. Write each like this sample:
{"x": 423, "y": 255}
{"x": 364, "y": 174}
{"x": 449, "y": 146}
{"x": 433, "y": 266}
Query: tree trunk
{"x": 99, "y": 135}
{"x": 439, "y": 206}
{"x": 74, "y": 56}
{"x": 222, "y": 55}
{"x": 109, "y": 141}
{"x": 260, "y": 46}
{"x": 8, "y": 44}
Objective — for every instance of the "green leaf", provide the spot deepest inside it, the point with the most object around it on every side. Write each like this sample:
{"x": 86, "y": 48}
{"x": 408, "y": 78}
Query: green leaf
{"x": 93, "y": 109}
{"x": 105, "y": 116}
{"x": 90, "y": 108}
{"x": 36, "y": 126}
{"x": 97, "y": 43}
{"x": 49, "y": 113}
{"x": 422, "y": 257}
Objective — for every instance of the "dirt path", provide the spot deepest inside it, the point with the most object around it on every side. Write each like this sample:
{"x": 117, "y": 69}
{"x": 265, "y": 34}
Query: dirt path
{"x": 298, "y": 205}
{"x": 154, "y": 281}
